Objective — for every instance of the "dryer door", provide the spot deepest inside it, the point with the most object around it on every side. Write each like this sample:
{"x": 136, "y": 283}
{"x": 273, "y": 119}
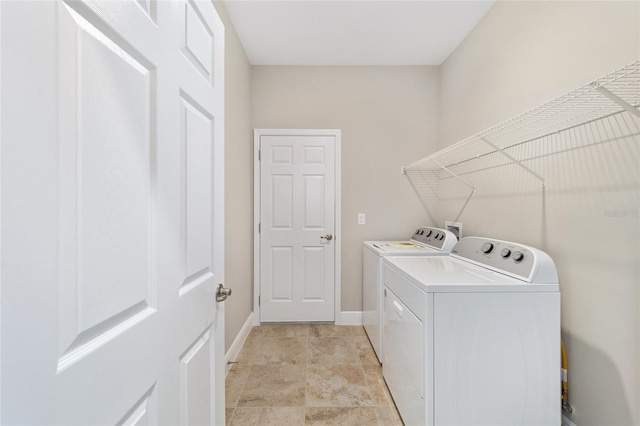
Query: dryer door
{"x": 403, "y": 366}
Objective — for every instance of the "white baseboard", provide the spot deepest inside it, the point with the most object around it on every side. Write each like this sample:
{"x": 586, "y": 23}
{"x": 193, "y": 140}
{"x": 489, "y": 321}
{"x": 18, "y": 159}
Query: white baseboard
{"x": 566, "y": 421}
{"x": 236, "y": 346}
{"x": 345, "y": 318}
{"x": 350, "y": 318}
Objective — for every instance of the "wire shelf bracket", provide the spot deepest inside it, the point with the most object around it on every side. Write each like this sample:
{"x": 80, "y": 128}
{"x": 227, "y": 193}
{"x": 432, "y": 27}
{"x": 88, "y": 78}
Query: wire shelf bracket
{"x": 615, "y": 98}
{"x": 515, "y": 161}
{"x": 473, "y": 190}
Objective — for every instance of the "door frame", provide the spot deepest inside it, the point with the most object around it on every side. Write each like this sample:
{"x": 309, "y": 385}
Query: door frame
{"x": 337, "y": 193}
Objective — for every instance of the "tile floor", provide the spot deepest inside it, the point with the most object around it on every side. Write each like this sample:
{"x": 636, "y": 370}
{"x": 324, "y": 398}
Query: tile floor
{"x": 308, "y": 374}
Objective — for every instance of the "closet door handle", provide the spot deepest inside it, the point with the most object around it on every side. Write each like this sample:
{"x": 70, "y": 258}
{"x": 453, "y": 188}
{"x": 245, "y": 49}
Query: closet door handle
{"x": 222, "y": 293}
{"x": 327, "y": 237}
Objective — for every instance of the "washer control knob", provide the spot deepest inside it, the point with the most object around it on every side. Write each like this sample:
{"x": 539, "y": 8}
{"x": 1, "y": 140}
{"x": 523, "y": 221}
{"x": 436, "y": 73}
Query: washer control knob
{"x": 517, "y": 256}
{"x": 486, "y": 248}
{"x": 429, "y": 232}
{"x": 441, "y": 236}
{"x": 505, "y": 252}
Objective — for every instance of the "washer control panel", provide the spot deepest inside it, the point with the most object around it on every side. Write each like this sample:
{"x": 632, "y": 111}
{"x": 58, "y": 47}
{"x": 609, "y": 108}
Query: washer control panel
{"x": 515, "y": 259}
{"x": 435, "y": 237}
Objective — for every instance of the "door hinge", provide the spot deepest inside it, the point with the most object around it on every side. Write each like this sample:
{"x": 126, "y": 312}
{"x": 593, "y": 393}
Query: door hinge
{"x": 259, "y": 155}
{"x": 258, "y": 300}
{"x": 259, "y": 227}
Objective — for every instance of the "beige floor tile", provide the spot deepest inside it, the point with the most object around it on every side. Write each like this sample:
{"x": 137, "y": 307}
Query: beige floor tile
{"x": 336, "y": 385}
{"x": 329, "y": 330}
{"x": 388, "y": 416}
{"x": 268, "y": 416}
{"x": 282, "y": 350}
{"x": 321, "y": 374}
{"x": 357, "y": 331}
{"x": 274, "y": 385}
{"x": 250, "y": 346}
{"x": 228, "y": 413}
{"x": 340, "y": 416}
{"x": 256, "y": 333}
{"x": 234, "y": 383}
{"x": 377, "y": 386}
{"x": 253, "y": 339}
{"x": 365, "y": 351}
{"x": 247, "y": 354}
{"x": 332, "y": 350}
{"x": 285, "y": 330}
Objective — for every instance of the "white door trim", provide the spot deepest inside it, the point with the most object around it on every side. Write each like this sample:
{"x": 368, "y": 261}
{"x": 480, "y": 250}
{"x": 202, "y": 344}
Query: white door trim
{"x": 336, "y": 133}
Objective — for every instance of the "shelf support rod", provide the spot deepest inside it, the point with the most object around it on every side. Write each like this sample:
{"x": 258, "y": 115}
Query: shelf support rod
{"x": 519, "y": 163}
{"x": 615, "y": 98}
{"x": 464, "y": 206}
{"x": 473, "y": 190}
{"x": 453, "y": 174}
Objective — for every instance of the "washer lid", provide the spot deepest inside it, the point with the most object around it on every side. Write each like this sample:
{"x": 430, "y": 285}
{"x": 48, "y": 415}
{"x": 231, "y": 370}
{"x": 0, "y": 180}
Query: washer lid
{"x": 425, "y": 240}
{"x": 401, "y": 248}
{"x": 447, "y": 274}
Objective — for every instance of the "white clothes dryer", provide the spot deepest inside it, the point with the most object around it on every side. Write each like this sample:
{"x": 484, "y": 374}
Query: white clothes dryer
{"x": 425, "y": 241}
{"x": 473, "y": 338}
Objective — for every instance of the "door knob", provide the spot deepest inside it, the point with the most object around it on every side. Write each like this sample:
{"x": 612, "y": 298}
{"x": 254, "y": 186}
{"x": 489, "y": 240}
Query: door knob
{"x": 222, "y": 293}
{"x": 327, "y": 237}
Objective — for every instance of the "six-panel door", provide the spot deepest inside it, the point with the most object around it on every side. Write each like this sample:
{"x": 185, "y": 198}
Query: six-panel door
{"x": 297, "y": 211}
{"x": 131, "y": 215}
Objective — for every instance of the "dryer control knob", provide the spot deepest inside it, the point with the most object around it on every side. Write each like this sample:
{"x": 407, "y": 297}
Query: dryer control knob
{"x": 486, "y": 248}
{"x": 517, "y": 256}
{"x": 505, "y": 252}
{"x": 441, "y": 236}
{"x": 429, "y": 232}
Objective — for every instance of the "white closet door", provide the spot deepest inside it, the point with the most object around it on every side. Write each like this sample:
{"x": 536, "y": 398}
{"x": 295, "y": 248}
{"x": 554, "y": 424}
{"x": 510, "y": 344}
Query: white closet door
{"x": 112, "y": 215}
{"x": 297, "y": 210}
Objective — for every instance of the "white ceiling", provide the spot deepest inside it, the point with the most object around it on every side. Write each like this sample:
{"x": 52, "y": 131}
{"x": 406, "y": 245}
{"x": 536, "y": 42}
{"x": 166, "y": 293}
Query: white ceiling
{"x": 360, "y": 32}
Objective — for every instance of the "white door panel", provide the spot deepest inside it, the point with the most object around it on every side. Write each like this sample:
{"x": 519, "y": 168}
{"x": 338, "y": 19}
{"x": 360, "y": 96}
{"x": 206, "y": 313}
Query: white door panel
{"x": 105, "y": 190}
{"x": 297, "y": 208}
{"x": 112, "y": 188}
{"x": 314, "y": 273}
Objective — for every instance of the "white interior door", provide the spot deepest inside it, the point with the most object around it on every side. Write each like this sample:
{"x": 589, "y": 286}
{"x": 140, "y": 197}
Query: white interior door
{"x": 112, "y": 214}
{"x": 297, "y": 230}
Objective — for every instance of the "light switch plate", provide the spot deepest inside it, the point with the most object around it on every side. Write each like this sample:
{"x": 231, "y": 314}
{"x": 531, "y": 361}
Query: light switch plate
{"x": 360, "y": 218}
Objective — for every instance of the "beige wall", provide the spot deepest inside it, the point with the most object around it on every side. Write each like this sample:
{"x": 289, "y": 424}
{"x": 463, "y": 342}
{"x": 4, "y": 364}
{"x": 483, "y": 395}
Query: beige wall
{"x": 238, "y": 198}
{"x": 387, "y": 116}
{"x": 520, "y": 55}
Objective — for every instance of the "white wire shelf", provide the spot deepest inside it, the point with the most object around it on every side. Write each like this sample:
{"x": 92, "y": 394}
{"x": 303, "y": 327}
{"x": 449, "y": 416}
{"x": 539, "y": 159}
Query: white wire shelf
{"x": 605, "y": 110}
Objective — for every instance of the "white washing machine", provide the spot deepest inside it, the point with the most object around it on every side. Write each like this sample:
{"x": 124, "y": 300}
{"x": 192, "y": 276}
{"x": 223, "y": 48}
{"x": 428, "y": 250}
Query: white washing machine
{"x": 425, "y": 241}
{"x": 473, "y": 338}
